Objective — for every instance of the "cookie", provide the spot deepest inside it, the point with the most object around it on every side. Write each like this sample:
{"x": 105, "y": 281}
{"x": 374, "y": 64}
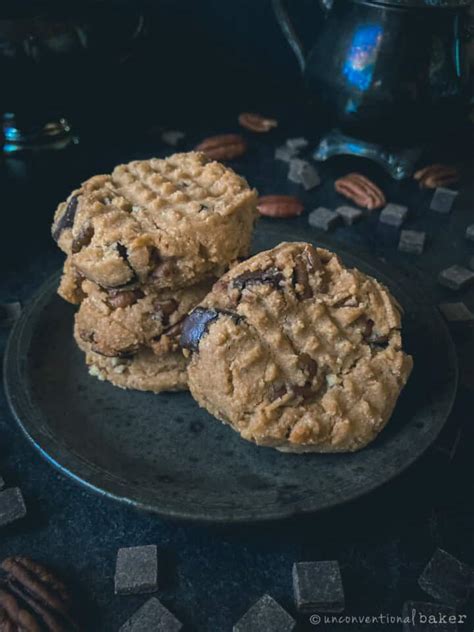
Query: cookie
{"x": 144, "y": 371}
{"x": 164, "y": 222}
{"x": 305, "y": 354}
{"x": 118, "y": 323}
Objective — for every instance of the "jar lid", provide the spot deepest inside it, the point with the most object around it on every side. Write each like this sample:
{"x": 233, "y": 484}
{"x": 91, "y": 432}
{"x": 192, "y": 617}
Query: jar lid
{"x": 433, "y": 4}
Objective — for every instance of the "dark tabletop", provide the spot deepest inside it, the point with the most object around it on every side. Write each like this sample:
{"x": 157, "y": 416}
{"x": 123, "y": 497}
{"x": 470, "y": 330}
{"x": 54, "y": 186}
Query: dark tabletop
{"x": 211, "y": 576}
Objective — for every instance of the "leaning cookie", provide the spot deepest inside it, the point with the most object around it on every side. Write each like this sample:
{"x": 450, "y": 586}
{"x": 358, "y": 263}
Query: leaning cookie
{"x": 117, "y": 323}
{"x": 297, "y": 352}
{"x": 164, "y": 222}
{"x": 145, "y": 370}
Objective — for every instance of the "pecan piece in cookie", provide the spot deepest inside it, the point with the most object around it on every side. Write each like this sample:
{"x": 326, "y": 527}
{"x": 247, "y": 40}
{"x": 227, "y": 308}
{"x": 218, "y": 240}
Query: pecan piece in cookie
{"x": 438, "y": 175}
{"x": 272, "y": 277}
{"x": 223, "y": 147}
{"x": 34, "y": 599}
{"x": 360, "y": 190}
{"x": 83, "y": 239}
{"x": 117, "y": 298}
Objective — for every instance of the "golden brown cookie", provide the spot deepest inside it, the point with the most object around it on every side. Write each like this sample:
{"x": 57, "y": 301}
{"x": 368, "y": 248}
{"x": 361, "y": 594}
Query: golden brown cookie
{"x": 297, "y": 352}
{"x": 167, "y": 223}
{"x": 117, "y": 323}
{"x": 144, "y": 370}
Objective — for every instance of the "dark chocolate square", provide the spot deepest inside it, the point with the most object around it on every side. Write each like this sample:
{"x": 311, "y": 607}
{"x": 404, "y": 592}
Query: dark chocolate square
{"x": 456, "y": 277}
{"x": 136, "y": 570}
{"x": 349, "y": 214}
{"x": 9, "y": 313}
{"x": 318, "y": 587}
{"x": 443, "y": 200}
{"x": 265, "y": 616}
{"x": 152, "y": 617}
{"x": 447, "y": 579}
{"x": 323, "y": 218}
{"x": 412, "y": 241}
{"x": 12, "y": 506}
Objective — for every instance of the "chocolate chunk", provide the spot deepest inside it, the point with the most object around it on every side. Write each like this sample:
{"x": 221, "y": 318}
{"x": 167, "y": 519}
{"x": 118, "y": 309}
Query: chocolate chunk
{"x": 308, "y": 365}
{"x": 421, "y": 616}
{"x": 12, "y": 506}
{"x": 304, "y": 391}
{"x": 301, "y": 172}
{"x": 323, "y": 218}
{"x": 393, "y": 215}
{"x": 296, "y": 143}
{"x": 152, "y": 616}
{"x": 456, "y": 312}
{"x": 470, "y": 232}
{"x": 136, "y": 570}
{"x": 443, "y": 200}
{"x": 277, "y": 391}
{"x": 372, "y": 337}
{"x": 301, "y": 279}
{"x": 456, "y": 277}
{"x": 265, "y": 616}
{"x": 318, "y": 587}
{"x": 83, "y": 239}
{"x": 172, "y": 137}
{"x": 67, "y": 218}
{"x": 284, "y": 153}
{"x": 272, "y": 277}
{"x": 349, "y": 214}
{"x": 195, "y": 326}
{"x": 9, "y": 313}
{"x": 412, "y": 241}
{"x": 164, "y": 309}
{"x": 447, "y": 579}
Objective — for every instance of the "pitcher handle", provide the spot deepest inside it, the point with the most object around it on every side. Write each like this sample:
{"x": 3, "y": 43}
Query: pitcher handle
{"x": 289, "y": 32}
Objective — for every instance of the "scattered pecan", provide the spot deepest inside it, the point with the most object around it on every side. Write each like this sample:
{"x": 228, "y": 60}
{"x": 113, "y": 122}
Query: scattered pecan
{"x": 279, "y": 206}
{"x": 223, "y": 146}
{"x": 32, "y": 599}
{"x": 437, "y": 175}
{"x": 301, "y": 280}
{"x": 360, "y": 190}
{"x": 257, "y": 122}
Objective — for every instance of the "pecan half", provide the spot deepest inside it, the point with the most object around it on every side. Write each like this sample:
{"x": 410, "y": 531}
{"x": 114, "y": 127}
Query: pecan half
{"x": 360, "y": 190}
{"x": 223, "y": 146}
{"x": 279, "y": 206}
{"x": 33, "y": 599}
{"x": 257, "y": 122}
{"x": 437, "y": 175}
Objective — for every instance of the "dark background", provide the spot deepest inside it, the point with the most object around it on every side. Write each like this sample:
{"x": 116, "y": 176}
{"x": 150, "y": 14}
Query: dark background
{"x": 201, "y": 64}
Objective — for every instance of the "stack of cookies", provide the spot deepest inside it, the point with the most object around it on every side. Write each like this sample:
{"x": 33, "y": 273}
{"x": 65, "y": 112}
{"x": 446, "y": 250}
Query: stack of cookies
{"x": 144, "y": 246}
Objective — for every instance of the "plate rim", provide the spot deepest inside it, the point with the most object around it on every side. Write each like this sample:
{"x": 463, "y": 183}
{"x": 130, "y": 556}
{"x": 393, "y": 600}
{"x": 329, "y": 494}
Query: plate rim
{"x": 49, "y": 448}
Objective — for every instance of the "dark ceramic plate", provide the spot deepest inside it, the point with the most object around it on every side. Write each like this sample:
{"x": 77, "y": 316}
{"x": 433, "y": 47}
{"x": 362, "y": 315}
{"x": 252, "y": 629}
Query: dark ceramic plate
{"x": 163, "y": 454}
